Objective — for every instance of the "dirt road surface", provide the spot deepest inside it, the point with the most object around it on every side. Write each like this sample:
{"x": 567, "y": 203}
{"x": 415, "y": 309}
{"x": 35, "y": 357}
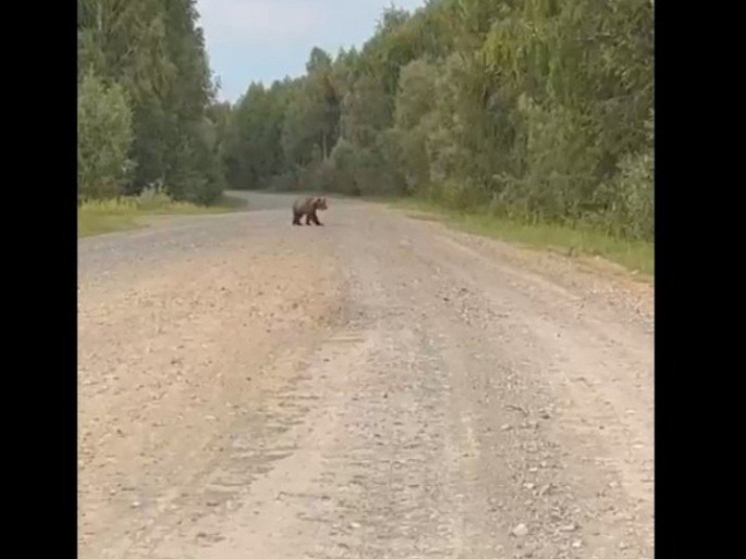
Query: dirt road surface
{"x": 381, "y": 387}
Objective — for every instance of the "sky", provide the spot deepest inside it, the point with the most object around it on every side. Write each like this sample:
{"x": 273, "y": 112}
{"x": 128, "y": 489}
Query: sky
{"x": 266, "y": 40}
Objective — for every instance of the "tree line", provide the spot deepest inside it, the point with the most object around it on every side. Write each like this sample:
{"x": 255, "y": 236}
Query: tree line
{"x": 146, "y": 110}
{"x": 531, "y": 109}
{"x": 527, "y": 109}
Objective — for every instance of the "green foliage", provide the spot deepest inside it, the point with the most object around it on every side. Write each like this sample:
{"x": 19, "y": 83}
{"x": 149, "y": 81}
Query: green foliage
{"x": 344, "y": 163}
{"x": 582, "y": 241}
{"x": 197, "y": 176}
{"x": 312, "y": 116}
{"x": 414, "y": 121}
{"x": 155, "y": 52}
{"x": 252, "y": 151}
{"x": 282, "y": 135}
{"x": 124, "y": 212}
{"x": 104, "y": 137}
{"x": 532, "y": 110}
{"x": 414, "y": 100}
{"x": 628, "y": 199}
{"x": 365, "y": 111}
{"x": 304, "y": 124}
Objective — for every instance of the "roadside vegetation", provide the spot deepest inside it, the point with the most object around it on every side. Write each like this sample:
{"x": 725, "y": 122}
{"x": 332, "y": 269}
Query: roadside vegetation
{"x": 98, "y": 216}
{"x": 581, "y": 241}
{"x": 531, "y": 120}
{"x": 148, "y": 128}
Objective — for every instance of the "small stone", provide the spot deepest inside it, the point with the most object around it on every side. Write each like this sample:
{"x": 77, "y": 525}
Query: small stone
{"x": 506, "y": 427}
{"x": 520, "y": 530}
{"x": 569, "y": 527}
{"x": 623, "y": 545}
{"x": 135, "y": 504}
{"x": 528, "y": 486}
{"x": 577, "y": 544}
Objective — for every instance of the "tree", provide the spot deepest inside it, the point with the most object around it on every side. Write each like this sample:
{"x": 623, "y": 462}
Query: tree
{"x": 104, "y": 137}
{"x": 536, "y": 109}
{"x": 155, "y": 52}
{"x": 414, "y": 121}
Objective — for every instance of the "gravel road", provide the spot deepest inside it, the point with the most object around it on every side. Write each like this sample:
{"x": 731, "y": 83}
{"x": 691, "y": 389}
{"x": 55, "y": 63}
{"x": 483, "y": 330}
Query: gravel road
{"x": 381, "y": 387}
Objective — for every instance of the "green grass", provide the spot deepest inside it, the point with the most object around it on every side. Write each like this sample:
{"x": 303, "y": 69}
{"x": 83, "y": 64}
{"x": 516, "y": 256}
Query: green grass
{"x": 105, "y": 216}
{"x": 636, "y": 256}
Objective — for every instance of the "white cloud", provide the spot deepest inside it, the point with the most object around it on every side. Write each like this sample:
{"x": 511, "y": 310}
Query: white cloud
{"x": 259, "y": 21}
{"x": 264, "y": 40}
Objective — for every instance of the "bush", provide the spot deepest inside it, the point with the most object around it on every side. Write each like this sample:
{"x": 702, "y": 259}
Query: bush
{"x": 285, "y": 182}
{"x": 343, "y": 162}
{"x": 628, "y": 198}
{"x": 196, "y": 176}
{"x": 104, "y": 138}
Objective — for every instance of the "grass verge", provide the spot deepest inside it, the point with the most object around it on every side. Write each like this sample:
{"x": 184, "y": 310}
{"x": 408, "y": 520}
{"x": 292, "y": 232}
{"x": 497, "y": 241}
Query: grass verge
{"x": 105, "y": 216}
{"x": 636, "y": 256}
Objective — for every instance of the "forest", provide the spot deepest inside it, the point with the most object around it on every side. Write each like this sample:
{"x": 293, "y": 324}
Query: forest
{"x": 533, "y": 110}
